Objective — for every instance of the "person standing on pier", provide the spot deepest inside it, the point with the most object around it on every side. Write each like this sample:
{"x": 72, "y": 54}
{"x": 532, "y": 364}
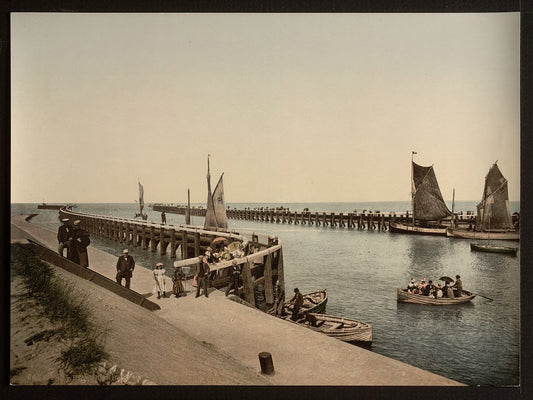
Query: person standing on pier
{"x": 298, "y": 300}
{"x": 177, "y": 280}
{"x": 125, "y": 267}
{"x": 159, "y": 276}
{"x": 235, "y": 279}
{"x": 64, "y": 234}
{"x": 202, "y": 274}
{"x": 77, "y": 250}
{"x": 163, "y": 217}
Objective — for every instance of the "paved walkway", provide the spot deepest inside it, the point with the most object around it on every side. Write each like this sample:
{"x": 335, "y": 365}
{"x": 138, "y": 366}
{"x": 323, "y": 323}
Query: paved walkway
{"x": 300, "y": 356}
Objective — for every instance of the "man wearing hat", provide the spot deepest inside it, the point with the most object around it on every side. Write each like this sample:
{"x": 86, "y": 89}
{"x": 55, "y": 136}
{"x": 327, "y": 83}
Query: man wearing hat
{"x": 64, "y": 234}
{"x": 125, "y": 267}
{"x": 458, "y": 286}
{"x": 202, "y": 275}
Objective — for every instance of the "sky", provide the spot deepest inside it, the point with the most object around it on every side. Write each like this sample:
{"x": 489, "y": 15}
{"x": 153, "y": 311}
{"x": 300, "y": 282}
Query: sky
{"x": 291, "y": 107}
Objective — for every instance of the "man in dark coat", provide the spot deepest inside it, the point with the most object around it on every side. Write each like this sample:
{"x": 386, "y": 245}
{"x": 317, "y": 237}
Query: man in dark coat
{"x": 125, "y": 267}
{"x": 235, "y": 279}
{"x": 64, "y": 234}
{"x": 458, "y": 286}
{"x": 202, "y": 276}
{"x": 77, "y": 250}
{"x": 298, "y": 300}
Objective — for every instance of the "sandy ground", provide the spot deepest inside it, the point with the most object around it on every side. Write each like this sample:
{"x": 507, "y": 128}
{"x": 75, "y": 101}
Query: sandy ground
{"x": 216, "y": 341}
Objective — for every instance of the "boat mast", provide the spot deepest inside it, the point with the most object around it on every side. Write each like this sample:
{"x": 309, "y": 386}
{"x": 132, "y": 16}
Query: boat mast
{"x": 188, "y": 214}
{"x": 453, "y": 207}
{"x": 412, "y": 188}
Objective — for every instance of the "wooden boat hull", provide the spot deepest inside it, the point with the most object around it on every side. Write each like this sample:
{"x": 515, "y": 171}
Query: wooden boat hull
{"x": 464, "y": 234}
{"x": 405, "y": 297}
{"x": 341, "y": 328}
{"x": 398, "y": 227}
{"x": 493, "y": 249}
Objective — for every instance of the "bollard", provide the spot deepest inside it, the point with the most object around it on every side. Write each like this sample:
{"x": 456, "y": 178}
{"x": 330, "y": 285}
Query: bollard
{"x": 267, "y": 366}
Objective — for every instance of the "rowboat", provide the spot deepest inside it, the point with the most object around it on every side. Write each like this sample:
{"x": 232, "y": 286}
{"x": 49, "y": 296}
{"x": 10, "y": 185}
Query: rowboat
{"x": 314, "y": 302}
{"x": 486, "y": 235}
{"x": 405, "y": 297}
{"x": 342, "y": 328}
{"x": 488, "y": 248}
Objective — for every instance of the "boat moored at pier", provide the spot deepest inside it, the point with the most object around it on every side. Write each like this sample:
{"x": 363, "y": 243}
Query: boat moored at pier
{"x": 488, "y": 248}
{"x": 342, "y": 328}
{"x": 314, "y": 302}
{"x": 405, "y": 297}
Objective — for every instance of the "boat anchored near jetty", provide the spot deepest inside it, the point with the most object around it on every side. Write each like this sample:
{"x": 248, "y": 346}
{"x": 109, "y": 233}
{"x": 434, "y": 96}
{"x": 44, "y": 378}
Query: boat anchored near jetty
{"x": 488, "y": 248}
{"x": 342, "y": 328}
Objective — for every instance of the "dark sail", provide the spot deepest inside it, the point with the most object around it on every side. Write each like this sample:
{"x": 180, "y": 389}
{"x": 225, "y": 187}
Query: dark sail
{"x": 428, "y": 204}
{"x": 493, "y": 211}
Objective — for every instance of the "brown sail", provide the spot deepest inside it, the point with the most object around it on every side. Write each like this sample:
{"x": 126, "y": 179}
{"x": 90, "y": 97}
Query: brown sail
{"x": 493, "y": 212}
{"x": 428, "y": 204}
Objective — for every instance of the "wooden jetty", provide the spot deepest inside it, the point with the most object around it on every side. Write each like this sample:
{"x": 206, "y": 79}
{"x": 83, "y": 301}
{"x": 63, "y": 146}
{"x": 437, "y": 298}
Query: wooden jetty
{"x": 259, "y": 270}
{"x": 357, "y": 220}
{"x": 45, "y": 206}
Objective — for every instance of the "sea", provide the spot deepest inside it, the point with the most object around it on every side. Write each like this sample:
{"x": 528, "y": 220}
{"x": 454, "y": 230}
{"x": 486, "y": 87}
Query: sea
{"x": 475, "y": 343}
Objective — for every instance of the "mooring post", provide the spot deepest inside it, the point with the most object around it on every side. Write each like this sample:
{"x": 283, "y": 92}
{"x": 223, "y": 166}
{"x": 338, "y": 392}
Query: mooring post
{"x": 248, "y": 283}
{"x": 267, "y": 365}
{"x": 269, "y": 288}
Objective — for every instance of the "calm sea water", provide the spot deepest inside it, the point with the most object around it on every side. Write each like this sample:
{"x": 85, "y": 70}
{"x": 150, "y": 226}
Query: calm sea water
{"x": 475, "y": 343}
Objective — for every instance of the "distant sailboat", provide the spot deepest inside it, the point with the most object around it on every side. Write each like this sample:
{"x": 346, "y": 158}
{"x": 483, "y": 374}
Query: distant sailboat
{"x": 493, "y": 219}
{"x": 140, "y": 214}
{"x": 215, "y": 216}
{"x": 428, "y": 206}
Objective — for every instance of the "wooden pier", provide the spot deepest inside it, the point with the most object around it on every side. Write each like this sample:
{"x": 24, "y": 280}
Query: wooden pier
{"x": 357, "y": 220}
{"x": 260, "y": 269}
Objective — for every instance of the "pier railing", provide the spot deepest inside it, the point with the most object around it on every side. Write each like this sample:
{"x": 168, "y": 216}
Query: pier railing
{"x": 260, "y": 268}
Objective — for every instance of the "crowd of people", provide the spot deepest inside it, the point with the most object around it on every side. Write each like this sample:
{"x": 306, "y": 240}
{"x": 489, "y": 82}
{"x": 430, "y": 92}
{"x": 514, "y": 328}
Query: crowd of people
{"x": 75, "y": 240}
{"x": 435, "y": 290}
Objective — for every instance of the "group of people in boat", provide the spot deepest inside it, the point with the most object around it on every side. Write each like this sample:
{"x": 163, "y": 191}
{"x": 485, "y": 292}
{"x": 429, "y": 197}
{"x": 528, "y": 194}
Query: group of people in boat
{"x": 435, "y": 290}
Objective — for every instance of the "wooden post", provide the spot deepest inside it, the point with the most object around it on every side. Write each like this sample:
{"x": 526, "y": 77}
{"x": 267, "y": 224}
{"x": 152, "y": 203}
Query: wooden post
{"x": 153, "y": 242}
{"x": 197, "y": 244}
{"x": 172, "y": 243}
{"x": 248, "y": 283}
{"x": 184, "y": 245}
{"x": 333, "y": 220}
{"x": 162, "y": 244}
{"x": 269, "y": 287}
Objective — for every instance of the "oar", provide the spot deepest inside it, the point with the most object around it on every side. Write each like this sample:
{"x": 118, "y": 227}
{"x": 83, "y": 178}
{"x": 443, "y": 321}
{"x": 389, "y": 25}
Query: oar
{"x": 485, "y": 297}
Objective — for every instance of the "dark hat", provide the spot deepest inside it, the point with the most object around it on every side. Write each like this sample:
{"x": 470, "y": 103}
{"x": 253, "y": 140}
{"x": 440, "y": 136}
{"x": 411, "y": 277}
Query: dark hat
{"x": 457, "y": 276}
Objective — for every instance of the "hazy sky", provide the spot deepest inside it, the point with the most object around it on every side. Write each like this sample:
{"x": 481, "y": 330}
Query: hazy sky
{"x": 292, "y": 107}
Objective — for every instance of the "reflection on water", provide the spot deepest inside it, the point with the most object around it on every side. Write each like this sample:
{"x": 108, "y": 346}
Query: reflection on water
{"x": 475, "y": 343}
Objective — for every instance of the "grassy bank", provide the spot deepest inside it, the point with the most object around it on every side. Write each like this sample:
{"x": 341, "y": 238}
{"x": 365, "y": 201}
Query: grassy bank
{"x": 66, "y": 310}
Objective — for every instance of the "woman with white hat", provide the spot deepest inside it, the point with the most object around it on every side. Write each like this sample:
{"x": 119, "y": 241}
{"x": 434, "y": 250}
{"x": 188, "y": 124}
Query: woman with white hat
{"x": 159, "y": 276}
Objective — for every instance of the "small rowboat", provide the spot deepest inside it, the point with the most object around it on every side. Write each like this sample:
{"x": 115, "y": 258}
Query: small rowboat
{"x": 314, "y": 302}
{"x": 405, "y": 297}
{"x": 345, "y": 329}
{"x": 487, "y": 248}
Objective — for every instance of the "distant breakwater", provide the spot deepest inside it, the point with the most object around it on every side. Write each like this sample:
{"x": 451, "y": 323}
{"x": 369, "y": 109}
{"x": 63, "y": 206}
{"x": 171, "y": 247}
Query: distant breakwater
{"x": 371, "y": 220}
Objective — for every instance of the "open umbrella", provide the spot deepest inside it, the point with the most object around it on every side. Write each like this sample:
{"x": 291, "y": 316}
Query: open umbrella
{"x": 446, "y": 279}
{"x": 219, "y": 239}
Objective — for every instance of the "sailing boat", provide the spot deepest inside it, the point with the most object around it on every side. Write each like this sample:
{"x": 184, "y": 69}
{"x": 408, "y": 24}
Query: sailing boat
{"x": 140, "y": 214}
{"x": 493, "y": 219}
{"x": 428, "y": 206}
{"x": 215, "y": 216}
